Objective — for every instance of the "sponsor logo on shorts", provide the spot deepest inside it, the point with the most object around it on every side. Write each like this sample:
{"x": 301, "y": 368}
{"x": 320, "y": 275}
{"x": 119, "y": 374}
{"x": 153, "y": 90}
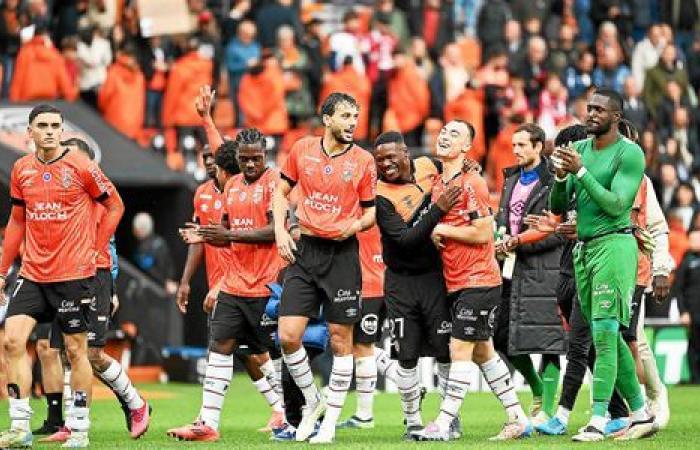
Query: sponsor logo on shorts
{"x": 265, "y": 321}
{"x": 606, "y": 304}
{"x": 370, "y": 324}
{"x": 492, "y": 317}
{"x": 68, "y": 306}
{"x": 466, "y": 314}
{"x": 445, "y": 327}
{"x": 74, "y": 323}
{"x": 345, "y": 295}
{"x": 469, "y": 331}
{"x": 351, "y": 312}
{"x": 93, "y": 304}
{"x": 602, "y": 289}
{"x": 91, "y": 336}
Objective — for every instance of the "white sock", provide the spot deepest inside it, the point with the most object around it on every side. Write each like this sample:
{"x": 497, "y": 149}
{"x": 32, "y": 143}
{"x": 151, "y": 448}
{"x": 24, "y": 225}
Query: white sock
{"x": 20, "y": 413}
{"x": 338, "y": 385}
{"x": 385, "y": 365}
{"x": 498, "y": 377}
{"x": 443, "y": 370}
{"x": 263, "y": 386}
{"x": 67, "y": 391}
{"x": 78, "y": 419}
{"x": 268, "y": 369}
{"x": 300, "y": 370}
{"x": 456, "y": 388}
{"x": 366, "y": 382}
{"x": 216, "y": 380}
{"x": 563, "y": 415}
{"x": 119, "y": 381}
{"x": 409, "y": 390}
{"x": 277, "y": 385}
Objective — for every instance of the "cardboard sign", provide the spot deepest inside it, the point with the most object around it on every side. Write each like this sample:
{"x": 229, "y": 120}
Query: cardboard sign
{"x": 164, "y": 17}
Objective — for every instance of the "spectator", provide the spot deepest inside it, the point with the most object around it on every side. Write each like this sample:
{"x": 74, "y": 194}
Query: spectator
{"x": 579, "y": 78}
{"x": 608, "y": 37}
{"x": 448, "y": 80}
{"x": 435, "y": 23}
{"x": 684, "y": 204}
{"x": 563, "y": 52}
{"x": 295, "y": 65}
{"x": 686, "y": 290}
{"x": 616, "y": 12}
{"x": 356, "y": 84}
{"x": 552, "y": 106}
{"x": 686, "y": 134}
{"x": 65, "y": 18}
{"x": 611, "y": 72}
{"x": 657, "y": 78}
{"x": 533, "y": 69}
{"x": 421, "y": 58}
{"x": 69, "y": 51}
{"x": 238, "y": 12}
{"x": 673, "y": 99}
{"x": 153, "y": 254}
{"x": 681, "y": 161}
{"x": 516, "y": 103}
{"x": 103, "y": 13}
{"x": 153, "y": 64}
{"x": 683, "y": 17}
{"x": 346, "y": 42}
{"x": 501, "y": 154}
{"x": 210, "y": 43}
{"x": 678, "y": 241}
{"x": 466, "y": 16}
{"x": 643, "y": 16}
{"x": 261, "y": 97}
{"x": 12, "y": 20}
{"x": 95, "y": 55}
{"x": 693, "y": 58}
{"x": 242, "y": 53}
{"x": 397, "y": 21}
{"x": 40, "y": 71}
{"x": 381, "y": 44}
{"x": 187, "y": 75}
{"x": 311, "y": 43}
{"x": 493, "y": 16}
{"x": 668, "y": 182}
{"x": 122, "y": 97}
{"x": 469, "y": 107}
{"x": 633, "y": 107}
{"x": 515, "y": 43}
{"x": 494, "y": 72}
{"x": 527, "y": 9}
{"x": 646, "y": 53}
{"x": 271, "y": 17}
{"x": 408, "y": 100}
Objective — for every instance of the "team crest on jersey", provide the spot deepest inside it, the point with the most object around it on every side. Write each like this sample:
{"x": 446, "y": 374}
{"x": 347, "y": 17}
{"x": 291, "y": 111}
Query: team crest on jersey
{"x": 328, "y": 169}
{"x": 46, "y": 177}
{"x": 66, "y": 178}
{"x": 348, "y": 170}
{"x": 258, "y": 194}
{"x": 217, "y": 204}
{"x": 242, "y": 196}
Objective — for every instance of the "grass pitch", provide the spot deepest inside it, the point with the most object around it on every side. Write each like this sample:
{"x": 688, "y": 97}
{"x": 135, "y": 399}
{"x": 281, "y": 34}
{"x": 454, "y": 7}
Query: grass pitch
{"x": 245, "y": 411}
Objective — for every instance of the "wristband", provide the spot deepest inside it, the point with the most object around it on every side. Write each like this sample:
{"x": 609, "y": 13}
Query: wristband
{"x": 581, "y": 172}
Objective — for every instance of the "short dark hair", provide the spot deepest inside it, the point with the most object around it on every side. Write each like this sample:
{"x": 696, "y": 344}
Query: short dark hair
{"x": 82, "y": 146}
{"x": 572, "y": 133}
{"x": 534, "y": 131}
{"x": 470, "y": 127}
{"x": 389, "y": 137}
{"x": 43, "y": 109}
{"x": 613, "y": 97}
{"x": 225, "y": 157}
{"x": 333, "y": 100}
{"x": 250, "y": 136}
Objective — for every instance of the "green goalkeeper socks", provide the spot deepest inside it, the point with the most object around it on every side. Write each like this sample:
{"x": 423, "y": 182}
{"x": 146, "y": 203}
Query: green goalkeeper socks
{"x": 605, "y": 339}
{"x": 550, "y": 384}
{"x": 524, "y": 365}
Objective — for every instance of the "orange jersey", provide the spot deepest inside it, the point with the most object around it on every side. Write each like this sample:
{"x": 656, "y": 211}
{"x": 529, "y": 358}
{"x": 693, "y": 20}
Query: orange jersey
{"x": 59, "y": 211}
{"x": 640, "y": 206}
{"x": 468, "y": 265}
{"x": 332, "y": 190}
{"x": 251, "y": 266}
{"x": 371, "y": 263}
{"x": 104, "y": 256}
{"x": 209, "y": 208}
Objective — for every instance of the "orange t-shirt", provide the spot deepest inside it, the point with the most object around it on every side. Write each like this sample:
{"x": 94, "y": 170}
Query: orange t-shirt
{"x": 58, "y": 198}
{"x": 209, "y": 208}
{"x": 251, "y": 266}
{"x": 640, "y": 205}
{"x": 371, "y": 263}
{"x": 104, "y": 256}
{"x": 332, "y": 190}
{"x": 468, "y": 266}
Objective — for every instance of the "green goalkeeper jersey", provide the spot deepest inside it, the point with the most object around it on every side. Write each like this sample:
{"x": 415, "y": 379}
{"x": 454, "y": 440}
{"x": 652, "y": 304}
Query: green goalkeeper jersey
{"x": 606, "y": 192}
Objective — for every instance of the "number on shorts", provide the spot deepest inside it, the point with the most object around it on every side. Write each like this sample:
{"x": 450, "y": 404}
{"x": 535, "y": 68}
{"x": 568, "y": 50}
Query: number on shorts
{"x": 396, "y": 328}
{"x": 18, "y": 284}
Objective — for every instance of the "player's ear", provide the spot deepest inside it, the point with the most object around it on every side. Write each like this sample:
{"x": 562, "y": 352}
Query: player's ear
{"x": 326, "y": 119}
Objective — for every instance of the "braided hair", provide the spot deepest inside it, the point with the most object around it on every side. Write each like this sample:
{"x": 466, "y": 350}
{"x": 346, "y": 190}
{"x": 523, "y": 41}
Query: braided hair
{"x": 251, "y": 136}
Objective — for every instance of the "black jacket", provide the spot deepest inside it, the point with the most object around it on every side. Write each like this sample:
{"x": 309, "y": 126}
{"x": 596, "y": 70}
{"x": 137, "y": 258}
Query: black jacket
{"x": 686, "y": 286}
{"x": 535, "y": 326}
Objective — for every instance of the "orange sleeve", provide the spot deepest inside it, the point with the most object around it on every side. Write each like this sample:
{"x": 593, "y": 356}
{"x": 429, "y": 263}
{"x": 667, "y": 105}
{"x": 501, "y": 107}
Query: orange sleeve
{"x": 95, "y": 182}
{"x": 213, "y": 137}
{"x": 479, "y": 200}
{"x": 290, "y": 171}
{"x": 14, "y": 236}
{"x": 368, "y": 183}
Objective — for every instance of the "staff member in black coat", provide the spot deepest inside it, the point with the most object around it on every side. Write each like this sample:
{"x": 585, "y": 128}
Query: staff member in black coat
{"x": 686, "y": 289}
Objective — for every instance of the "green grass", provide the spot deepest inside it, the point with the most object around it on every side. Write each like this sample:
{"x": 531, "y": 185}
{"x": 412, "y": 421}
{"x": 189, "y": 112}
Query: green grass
{"x": 245, "y": 411}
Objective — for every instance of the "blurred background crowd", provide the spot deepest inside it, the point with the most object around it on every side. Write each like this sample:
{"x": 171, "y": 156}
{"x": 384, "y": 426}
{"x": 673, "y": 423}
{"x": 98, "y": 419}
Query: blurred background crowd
{"x": 411, "y": 64}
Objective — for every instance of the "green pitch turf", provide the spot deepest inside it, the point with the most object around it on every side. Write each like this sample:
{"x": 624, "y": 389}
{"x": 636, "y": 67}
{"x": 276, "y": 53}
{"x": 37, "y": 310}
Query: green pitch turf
{"x": 245, "y": 411}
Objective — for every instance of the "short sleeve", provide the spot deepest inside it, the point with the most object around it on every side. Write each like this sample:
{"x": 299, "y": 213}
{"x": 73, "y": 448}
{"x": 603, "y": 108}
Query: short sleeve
{"x": 16, "y": 195}
{"x": 95, "y": 182}
{"x": 367, "y": 188}
{"x": 290, "y": 170}
{"x": 478, "y": 204}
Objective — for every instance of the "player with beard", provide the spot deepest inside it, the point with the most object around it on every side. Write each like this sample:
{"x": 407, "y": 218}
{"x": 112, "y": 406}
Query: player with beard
{"x": 336, "y": 183}
{"x": 605, "y": 172}
{"x": 465, "y": 239}
{"x": 414, "y": 285}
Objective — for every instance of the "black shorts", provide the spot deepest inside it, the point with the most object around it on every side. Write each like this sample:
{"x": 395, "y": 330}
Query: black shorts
{"x": 629, "y": 334}
{"x": 268, "y": 328}
{"x": 67, "y": 302}
{"x": 369, "y": 330}
{"x": 240, "y": 318}
{"x": 326, "y": 273}
{"x": 418, "y": 315}
{"x": 474, "y": 312}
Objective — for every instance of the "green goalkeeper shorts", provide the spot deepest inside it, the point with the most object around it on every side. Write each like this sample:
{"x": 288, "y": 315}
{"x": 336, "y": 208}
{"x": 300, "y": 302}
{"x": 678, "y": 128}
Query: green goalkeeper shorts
{"x": 606, "y": 274}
